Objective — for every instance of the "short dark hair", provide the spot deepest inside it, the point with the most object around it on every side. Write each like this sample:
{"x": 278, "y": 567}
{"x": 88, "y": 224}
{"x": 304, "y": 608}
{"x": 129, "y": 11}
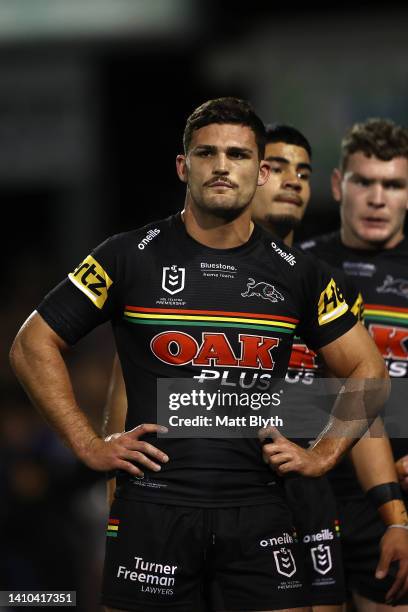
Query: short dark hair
{"x": 225, "y": 110}
{"x": 376, "y": 137}
{"x": 280, "y": 132}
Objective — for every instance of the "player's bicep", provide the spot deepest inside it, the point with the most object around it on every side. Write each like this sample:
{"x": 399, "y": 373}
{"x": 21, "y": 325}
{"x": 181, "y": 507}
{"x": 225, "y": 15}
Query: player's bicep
{"x": 36, "y": 332}
{"x": 352, "y": 352}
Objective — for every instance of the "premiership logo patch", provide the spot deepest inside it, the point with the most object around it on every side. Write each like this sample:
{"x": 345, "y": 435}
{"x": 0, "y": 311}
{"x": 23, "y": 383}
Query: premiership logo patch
{"x": 92, "y": 280}
{"x": 331, "y": 304}
{"x": 322, "y": 559}
{"x": 173, "y": 279}
{"x": 285, "y": 563}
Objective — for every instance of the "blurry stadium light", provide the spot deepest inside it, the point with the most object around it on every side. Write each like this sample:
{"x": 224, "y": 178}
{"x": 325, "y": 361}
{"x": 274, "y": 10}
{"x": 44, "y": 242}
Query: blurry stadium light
{"x": 39, "y": 19}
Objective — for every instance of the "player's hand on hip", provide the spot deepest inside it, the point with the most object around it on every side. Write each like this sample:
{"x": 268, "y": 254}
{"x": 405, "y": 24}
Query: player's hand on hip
{"x": 120, "y": 451}
{"x": 285, "y": 456}
{"x": 402, "y": 471}
{"x": 394, "y": 547}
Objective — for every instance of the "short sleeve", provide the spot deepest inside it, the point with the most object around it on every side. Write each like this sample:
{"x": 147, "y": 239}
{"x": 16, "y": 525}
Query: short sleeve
{"x": 88, "y": 296}
{"x": 354, "y": 297}
{"x": 326, "y": 313}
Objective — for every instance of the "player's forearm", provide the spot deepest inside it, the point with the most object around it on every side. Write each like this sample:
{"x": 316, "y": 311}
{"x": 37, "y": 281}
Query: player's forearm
{"x": 116, "y": 402}
{"x": 375, "y": 468}
{"x": 41, "y": 370}
{"x": 373, "y": 459}
{"x": 115, "y": 414}
{"x": 358, "y": 403}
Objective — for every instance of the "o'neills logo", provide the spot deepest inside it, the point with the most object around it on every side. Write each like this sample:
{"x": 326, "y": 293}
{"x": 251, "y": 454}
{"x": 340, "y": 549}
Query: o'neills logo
{"x": 285, "y": 538}
{"x": 324, "y": 534}
{"x": 286, "y": 256}
{"x": 149, "y": 236}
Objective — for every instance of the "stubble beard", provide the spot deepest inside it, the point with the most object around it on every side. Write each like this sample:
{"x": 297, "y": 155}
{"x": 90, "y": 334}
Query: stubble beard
{"x": 226, "y": 212}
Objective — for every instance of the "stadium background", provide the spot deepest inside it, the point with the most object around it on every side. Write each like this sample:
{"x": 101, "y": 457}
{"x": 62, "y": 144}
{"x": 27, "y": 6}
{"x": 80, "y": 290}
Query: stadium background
{"x": 94, "y": 95}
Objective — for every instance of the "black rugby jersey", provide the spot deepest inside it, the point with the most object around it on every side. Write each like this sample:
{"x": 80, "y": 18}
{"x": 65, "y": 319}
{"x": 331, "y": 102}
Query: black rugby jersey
{"x": 382, "y": 277}
{"x": 178, "y": 307}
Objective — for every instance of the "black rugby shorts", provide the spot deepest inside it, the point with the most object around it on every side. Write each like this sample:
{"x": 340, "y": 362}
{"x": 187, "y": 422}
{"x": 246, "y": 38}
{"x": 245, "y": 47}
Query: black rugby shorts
{"x": 316, "y": 519}
{"x": 191, "y": 559}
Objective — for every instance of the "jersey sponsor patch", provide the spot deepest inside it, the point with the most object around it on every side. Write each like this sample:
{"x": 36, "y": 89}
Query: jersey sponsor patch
{"x": 92, "y": 280}
{"x": 331, "y": 304}
{"x": 358, "y": 308}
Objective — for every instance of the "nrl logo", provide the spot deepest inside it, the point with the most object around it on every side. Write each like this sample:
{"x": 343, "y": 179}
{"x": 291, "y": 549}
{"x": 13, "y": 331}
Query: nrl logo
{"x": 394, "y": 285}
{"x": 173, "y": 279}
{"x": 322, "y": 560}
{"x": 262, "y": 290}
{"x": 285, "y": 563}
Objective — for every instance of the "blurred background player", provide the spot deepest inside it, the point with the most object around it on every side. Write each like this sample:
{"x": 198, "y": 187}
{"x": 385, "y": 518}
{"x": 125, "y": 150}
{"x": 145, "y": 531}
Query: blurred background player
{"x": 371, "y": 186}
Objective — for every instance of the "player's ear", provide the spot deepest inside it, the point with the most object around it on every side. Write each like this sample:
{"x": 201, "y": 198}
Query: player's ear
{"x": 264, "y": 172}
{"x": 181, "y": 167}
{"x": 336, "y": 179}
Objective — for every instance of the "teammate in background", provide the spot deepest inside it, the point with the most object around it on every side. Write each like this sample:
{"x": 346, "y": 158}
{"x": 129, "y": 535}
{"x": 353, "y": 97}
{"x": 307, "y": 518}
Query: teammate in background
{"x": 371, "y": 185}
{"x": 196, "y": 518}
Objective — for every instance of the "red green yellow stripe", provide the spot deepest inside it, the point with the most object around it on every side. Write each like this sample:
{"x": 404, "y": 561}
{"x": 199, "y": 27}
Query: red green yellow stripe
{"x": 386, "y": 314}
{"x": 227, "y": 313}
{"x": 112, "y": 528}
{"x": 209, "y": 318}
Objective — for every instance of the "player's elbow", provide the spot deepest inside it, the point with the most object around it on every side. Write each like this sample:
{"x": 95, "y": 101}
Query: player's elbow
{"x": 31, "y": 345}
{"x": 20, "y": 351}
{"x": 376, "y": 368}
{"x": 377, "y": 379}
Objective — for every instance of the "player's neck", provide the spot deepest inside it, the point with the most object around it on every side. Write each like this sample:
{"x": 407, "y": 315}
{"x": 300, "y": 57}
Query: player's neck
{"x": 287, "y": 236}
{"x": 217, "y": 233}
{"x": 288, "y": 239}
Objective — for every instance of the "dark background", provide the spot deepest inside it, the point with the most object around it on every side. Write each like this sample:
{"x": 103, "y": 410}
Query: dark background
{"x": 94, "y": 96}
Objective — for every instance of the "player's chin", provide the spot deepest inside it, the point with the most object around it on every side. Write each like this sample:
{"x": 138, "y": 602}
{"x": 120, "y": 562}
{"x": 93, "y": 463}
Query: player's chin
{"x": 225, "y": 209}
{"x": 376, "y": 236}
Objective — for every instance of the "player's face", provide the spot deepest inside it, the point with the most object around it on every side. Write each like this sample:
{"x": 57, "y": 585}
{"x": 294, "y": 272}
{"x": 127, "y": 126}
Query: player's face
{"x": 222, "y": 169}
{"x": 373, "y": 196}
{"x": 285, "y": 195}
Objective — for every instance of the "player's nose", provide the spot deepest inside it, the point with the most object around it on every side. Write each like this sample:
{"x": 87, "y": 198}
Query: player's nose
{"x": 220, "y": 164}
{"x": 376, "y": 195}
{"x": 291, "y": 180}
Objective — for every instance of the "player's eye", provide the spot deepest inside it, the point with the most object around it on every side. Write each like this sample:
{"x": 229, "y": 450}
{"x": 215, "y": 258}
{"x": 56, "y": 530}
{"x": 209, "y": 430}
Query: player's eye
{"x": 203, "y": 153}
{"x": 393, "y": 185}
{"x": 363, "y": 182}
{"x": 238, "y": 154}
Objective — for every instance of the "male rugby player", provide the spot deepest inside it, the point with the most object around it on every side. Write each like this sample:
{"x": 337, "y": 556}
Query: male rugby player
{"x": 371, "y": 185}
{"x": 215, "y": 509}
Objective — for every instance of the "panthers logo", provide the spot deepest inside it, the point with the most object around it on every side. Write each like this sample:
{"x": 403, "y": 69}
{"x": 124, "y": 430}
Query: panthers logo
{"x": 399, "y": 286}
{"x": 262, "y": 290}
